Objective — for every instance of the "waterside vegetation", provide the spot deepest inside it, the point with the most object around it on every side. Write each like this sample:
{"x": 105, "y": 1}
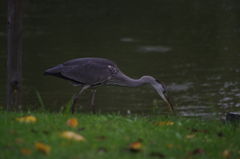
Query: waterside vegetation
{"x": 84, "y": 135}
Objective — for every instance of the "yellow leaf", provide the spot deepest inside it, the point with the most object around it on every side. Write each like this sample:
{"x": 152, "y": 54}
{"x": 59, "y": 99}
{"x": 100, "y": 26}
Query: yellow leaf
{"x": 164, "y": 123}
{"x": 72, "y": 135}
{"x": 43, "y": 147}
{"x": 190, "y": 136}
{"x": 136, "y": 145}
{"x": 226, "y": 154}
{"x": 26, "y": 151}
{"x": 27, "y": 119}
{"x": 72, "y": 122}
{"x": 179, "y": 147}
{"x": 170, "y": 146}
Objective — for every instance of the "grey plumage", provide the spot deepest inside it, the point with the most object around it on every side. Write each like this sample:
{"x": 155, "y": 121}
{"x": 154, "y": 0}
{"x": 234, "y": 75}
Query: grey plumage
{"x": 93, "y": 72}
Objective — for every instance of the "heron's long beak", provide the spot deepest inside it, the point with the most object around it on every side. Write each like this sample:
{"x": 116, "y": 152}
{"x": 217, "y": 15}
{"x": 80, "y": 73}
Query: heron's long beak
{"x": 160, "y": 88}
{"x": 166, "y": 99}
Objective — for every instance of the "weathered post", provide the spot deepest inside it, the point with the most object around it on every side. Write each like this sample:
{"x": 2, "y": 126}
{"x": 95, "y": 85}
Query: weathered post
{"x": 14, "y": 62}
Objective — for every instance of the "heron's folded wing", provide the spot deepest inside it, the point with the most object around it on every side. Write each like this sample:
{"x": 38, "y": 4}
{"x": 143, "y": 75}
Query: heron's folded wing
{"x": 55, "y": 69}
{"x": 87, "y": 73}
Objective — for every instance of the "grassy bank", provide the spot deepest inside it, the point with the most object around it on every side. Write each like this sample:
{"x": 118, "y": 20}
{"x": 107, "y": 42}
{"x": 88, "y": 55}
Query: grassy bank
{"x": 116, "y": 136}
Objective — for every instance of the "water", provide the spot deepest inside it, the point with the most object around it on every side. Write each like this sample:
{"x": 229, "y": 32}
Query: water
{"x": 193, "y": 47}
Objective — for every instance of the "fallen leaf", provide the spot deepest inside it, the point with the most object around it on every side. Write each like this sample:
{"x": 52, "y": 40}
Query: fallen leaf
{"x": 18, "y": 140}
{"x": 101, "y": 150}
{"x": 42, "y": 147}
{"x": 179, "y": 147}
{"x": 136, "y": 146}
{"x": 156, "y": 154}
{"x": 26, "y": 151}
{"x": 101, "y": 137}
{"x": 170, "y": 146}
{"x": 164, "y": 123}
{"x": 226, "y": 154}
{"x": 72, "y": 135}
{"x": 72, "y": 122}
{"x": 190, "y": 136}
{"x": 27, "y": 119}
{"x": 197, "y": 151}
{"x": 11, "y": 131}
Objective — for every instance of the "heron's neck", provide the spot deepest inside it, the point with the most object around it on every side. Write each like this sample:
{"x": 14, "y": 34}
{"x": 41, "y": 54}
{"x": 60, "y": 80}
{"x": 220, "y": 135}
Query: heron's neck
{"x": 129, "y": 82}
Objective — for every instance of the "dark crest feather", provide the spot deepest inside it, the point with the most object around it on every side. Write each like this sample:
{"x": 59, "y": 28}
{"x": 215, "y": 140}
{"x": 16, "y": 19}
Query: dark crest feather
{"x": 164, "y": 87}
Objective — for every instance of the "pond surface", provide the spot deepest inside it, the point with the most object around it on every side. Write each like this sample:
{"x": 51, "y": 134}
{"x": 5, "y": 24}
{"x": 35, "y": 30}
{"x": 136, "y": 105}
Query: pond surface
{"x": 192, "y": 47}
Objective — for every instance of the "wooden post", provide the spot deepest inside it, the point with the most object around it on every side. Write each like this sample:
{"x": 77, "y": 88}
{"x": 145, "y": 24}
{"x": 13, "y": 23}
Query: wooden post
{"x": 14, "y": 62}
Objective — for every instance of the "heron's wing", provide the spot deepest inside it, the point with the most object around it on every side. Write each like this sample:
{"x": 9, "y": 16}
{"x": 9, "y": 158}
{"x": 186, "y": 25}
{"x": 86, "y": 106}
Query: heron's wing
{"x": 91, "y": 71}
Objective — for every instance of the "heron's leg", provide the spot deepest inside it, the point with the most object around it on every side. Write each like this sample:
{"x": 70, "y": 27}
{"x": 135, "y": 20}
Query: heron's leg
{"x": 92, "y": 101}
{"x": 76, "y": 97}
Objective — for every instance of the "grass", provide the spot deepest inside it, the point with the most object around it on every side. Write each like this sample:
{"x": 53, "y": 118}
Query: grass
{"x": 41, "y": 101}
{"x": 109, "y": 136}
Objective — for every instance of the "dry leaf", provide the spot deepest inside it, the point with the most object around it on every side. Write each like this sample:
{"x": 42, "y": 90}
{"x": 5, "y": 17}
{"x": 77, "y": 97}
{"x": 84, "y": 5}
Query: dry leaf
{"x": 136, "y": 146}
{"x": 26, "y": 151}
{"x": 101, "y": 137}
{"x": 11, "y": 131}
{"x": 164, "y": 123}
{"x": 179, "y": 147}
{"x": 18, "y": 140}
{"x": 43, "y": 147}
{"x": 197, "y": 151}
{"x": 72, "y": 122}
{"x": 101, "y": 150}
{"x": 190, "y": 136}
{"x": 226, "y": 154}
{"x": 27, "y": 119}
{"x": 72, "y": 135}
{"x": 170, "y": 146}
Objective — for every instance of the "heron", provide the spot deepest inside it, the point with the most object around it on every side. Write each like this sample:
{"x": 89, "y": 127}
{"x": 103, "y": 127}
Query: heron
{"x": 93, "y": 72}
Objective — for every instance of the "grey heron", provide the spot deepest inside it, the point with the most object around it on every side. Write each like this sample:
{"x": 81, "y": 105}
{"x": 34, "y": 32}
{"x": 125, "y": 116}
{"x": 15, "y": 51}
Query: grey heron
{"x": 93, "y": 72}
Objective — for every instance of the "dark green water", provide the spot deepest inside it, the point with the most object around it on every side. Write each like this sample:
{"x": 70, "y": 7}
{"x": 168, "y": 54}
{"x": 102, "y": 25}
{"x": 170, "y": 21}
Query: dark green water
{"x": 191, "y": 46}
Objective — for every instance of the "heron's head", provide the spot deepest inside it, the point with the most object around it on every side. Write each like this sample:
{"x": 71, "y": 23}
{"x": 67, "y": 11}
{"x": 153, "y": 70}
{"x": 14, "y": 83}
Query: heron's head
{"x": 161, "y": 89}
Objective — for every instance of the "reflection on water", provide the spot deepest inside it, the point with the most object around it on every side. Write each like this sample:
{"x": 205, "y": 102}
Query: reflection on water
{"x": 153, "y": 49}
{"x": 192, "y": 47}
{"x": 128, "y": 40}
{"x": 179, "y": 87}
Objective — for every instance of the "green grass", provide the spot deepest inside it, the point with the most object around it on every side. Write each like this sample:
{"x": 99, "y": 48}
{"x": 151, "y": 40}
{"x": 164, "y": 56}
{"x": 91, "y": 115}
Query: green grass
{"x": 109, "y": 135}
{"x": 41, "y": 101}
